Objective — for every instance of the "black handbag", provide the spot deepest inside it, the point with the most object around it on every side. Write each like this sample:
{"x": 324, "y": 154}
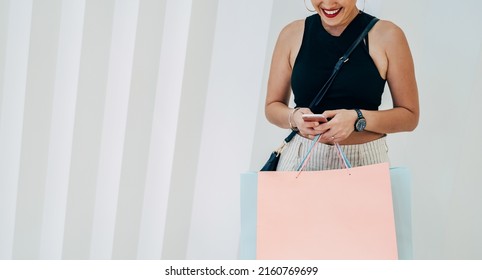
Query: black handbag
{"x": 273, "y": 160}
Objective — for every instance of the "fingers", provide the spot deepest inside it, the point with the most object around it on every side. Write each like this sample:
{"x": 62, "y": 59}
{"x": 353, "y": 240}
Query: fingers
{"x": 311, "y": 124}
{"x": 336, "y": 130}
{"x": 335, "y": 136}
{"x": 329, "y": 114}
{"x": 330, "y": 138}
{"x": 308, "y": 133}
{"x": 339, "y": 128}
{"x": 298, "y": 120}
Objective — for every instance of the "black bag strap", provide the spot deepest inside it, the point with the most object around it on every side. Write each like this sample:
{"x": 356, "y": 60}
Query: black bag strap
{"x": 340, "y": 63}
{"x": 336, "y": 69}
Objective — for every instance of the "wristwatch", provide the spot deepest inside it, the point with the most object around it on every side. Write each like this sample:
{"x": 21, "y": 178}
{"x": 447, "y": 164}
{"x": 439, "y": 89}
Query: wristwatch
{"x": 361, "y": 122}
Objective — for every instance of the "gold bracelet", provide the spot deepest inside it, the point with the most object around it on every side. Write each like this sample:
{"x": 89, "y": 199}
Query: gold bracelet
{"x": 290, "y": 117}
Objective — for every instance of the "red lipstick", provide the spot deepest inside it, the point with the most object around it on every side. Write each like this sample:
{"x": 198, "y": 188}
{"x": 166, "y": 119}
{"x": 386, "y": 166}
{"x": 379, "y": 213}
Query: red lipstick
{"x": 331, "y": 13}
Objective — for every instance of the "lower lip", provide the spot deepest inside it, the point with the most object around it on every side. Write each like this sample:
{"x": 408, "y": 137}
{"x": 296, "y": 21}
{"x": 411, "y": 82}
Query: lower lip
{"x": 331, "y": 16}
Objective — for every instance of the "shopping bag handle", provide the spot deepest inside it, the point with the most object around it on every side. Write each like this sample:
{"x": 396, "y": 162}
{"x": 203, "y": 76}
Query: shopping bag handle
{"x": 341, "y": 155}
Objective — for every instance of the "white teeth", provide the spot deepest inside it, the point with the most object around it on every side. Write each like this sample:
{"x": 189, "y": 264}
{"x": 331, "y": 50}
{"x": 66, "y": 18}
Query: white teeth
{"x": 332, "y": 12}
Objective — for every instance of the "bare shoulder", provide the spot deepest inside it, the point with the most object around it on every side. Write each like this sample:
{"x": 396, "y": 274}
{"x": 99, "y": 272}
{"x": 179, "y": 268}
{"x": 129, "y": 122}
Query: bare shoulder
{"x": 292, "y": 32}
{"x": 388, "y": 33}
{"x": 290, "y": 38}
{"x": 387, "y": 43}
{"x": 294, "y": 27}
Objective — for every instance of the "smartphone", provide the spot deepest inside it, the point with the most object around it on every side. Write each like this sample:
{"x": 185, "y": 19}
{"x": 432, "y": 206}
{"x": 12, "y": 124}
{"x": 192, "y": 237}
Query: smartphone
{"x": 314, "y": 118}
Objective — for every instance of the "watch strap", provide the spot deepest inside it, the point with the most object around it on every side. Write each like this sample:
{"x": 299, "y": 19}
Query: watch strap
{"x": 359, "y": 113}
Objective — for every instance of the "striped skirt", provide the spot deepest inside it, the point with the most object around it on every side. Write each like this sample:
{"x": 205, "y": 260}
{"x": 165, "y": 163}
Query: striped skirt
{"x": 325, "y": 157}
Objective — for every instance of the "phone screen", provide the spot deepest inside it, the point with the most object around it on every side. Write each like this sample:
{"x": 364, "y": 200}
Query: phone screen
{"x": 314, "y": 118}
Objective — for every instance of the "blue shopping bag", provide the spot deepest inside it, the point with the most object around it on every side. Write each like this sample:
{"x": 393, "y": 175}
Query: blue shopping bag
{"x": 402, "y": 208}
{"x": 249, "y": 205}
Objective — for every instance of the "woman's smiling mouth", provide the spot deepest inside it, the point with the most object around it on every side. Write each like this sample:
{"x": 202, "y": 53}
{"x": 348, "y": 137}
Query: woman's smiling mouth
{"x": 331, "y": 13}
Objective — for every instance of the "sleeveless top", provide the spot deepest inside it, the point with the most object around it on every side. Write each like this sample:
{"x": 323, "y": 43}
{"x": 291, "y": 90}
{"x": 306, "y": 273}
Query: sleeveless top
{"x": 357, "y": 85}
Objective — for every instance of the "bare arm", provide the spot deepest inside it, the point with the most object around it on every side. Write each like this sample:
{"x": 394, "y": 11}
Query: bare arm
{"x": 279, "y": 87}
{"x": 403, "y": 86}
{"x": 394, "y": 58}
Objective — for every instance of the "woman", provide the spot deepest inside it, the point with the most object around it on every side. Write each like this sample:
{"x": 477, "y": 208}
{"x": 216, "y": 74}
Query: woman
{"x": 303, "y": 59}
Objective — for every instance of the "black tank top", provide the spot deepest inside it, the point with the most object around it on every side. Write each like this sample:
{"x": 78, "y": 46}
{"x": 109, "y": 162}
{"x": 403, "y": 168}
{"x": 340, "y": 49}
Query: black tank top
{"x": 358, "y": 84}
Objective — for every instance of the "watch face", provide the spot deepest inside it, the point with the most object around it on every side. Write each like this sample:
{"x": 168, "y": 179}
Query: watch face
{"x": 361, "y": 124}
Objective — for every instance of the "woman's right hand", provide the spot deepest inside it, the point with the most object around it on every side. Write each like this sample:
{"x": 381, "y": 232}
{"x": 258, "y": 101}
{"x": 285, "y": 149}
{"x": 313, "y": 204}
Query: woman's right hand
{"x": 306, "y": 129}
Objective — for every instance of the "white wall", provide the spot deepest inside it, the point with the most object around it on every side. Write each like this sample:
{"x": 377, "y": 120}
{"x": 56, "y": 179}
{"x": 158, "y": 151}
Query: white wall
{"x": 112, "y": 144}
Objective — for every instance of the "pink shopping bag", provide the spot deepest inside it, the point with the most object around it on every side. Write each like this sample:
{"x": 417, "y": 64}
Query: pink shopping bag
{"x": 334, "y": 214}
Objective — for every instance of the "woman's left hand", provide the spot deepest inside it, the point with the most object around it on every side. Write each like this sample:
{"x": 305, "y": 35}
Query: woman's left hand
{"x": 339, "y": 127}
